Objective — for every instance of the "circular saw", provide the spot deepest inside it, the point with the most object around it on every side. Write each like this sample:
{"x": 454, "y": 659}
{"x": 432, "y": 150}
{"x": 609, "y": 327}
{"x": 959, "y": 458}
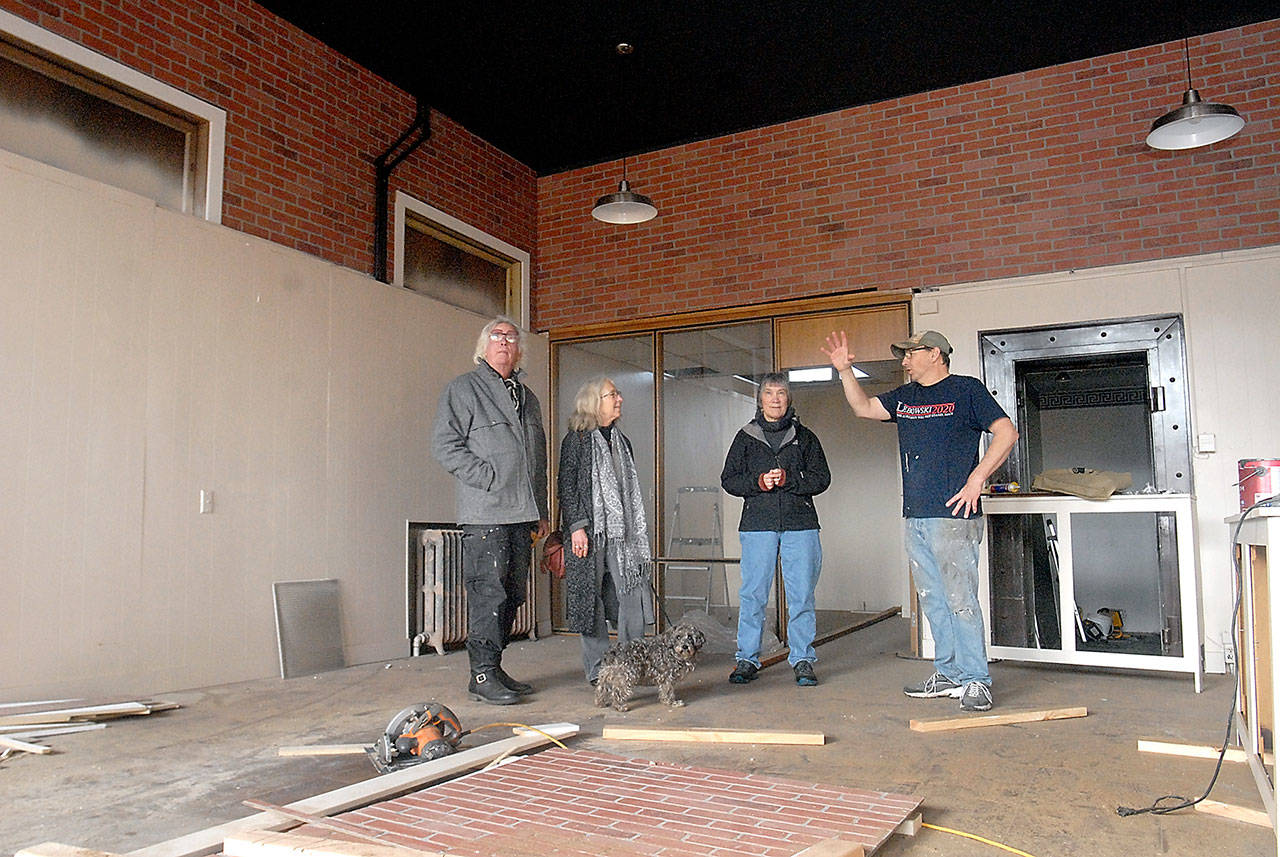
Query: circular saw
{"x": 419, "y": 733}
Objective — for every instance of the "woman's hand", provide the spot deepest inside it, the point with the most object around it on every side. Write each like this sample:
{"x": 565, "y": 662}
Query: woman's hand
{"x": 771, "y": 479}
{"x": 579, "y": 542}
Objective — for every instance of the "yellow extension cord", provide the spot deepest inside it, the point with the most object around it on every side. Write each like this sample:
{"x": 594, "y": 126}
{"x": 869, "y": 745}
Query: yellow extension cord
{"x": 976, "y": 838}
{"x": 550, "y": 738}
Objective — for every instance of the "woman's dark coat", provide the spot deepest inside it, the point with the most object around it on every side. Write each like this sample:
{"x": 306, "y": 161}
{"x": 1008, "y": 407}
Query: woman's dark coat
{"x": 573, "y": 492}
{"x": 789, "y": 507}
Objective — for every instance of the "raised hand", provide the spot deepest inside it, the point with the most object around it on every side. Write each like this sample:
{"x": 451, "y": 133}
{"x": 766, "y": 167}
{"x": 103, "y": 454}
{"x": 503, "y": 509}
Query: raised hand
{"x": 837, "y": 350}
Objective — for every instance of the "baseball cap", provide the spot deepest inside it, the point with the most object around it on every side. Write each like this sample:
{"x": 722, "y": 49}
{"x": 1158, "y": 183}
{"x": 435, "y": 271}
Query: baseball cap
{"x": 923, "y": 339}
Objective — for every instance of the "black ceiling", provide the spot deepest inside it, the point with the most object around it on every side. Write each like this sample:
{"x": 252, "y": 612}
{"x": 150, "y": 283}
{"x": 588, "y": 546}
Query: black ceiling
{"x": 541, "y": 79}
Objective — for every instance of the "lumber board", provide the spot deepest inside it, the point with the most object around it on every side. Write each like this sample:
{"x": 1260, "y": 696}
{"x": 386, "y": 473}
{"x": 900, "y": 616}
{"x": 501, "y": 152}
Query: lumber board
{"x": 30, "y": 733}
{"x": 68, "y": 715}
{"x": 538, "y": 840}
{"x": 24, "y": 746}
{"x": 355, "y": 795}
{"x": 269, "y": 844}
{"x": 324, "y": 750}
{"x": 325, "y": 823}
{"x": 972, "y": 722}
{"x": 57, "y": 849}
{"x": 910, "y": 826}
{"x": 1198, "y": 751}
{"x": 712, "y": 735}
{"x": 866, "y": 621}
{"x": 1233, "y": 812}
{"x": 832, "y": 848}
{"x": 37, "y": 705}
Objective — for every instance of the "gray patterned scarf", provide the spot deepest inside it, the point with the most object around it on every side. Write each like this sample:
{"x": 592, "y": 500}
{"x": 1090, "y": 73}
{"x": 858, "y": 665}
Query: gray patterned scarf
{"x": 618, "y": 508}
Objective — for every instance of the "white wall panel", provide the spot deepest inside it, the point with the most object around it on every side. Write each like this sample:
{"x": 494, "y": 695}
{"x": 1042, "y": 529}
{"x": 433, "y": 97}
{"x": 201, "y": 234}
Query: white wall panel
{"x": 1235, "y": 373}
{"x": 145, "y": 356}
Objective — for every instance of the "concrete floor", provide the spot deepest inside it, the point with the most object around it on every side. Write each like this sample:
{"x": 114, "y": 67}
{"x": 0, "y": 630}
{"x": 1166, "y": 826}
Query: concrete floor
{"x": 1046, "y": 788}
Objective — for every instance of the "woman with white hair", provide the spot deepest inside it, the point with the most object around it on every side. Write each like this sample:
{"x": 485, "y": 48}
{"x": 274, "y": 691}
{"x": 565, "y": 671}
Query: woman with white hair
{"x": 608, "y": 564}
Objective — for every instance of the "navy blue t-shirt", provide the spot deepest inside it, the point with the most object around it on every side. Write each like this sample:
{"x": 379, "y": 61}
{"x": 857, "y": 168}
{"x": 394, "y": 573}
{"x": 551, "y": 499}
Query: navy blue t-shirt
{"x": 938, "y": 431}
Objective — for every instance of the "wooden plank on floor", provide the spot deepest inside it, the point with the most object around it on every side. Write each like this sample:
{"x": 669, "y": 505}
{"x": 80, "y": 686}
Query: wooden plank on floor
{"x": 35, "y": 705}
{"x": 832, "y": 848}
{"x": 1235, "y": 813}
{"x": 359, "y": 794}
{"x": 270, "y": 844}
{"x": 324, "y": 750}
{"x": 33, "y": 733}
{"x": 68, "y": 715}
{"x": 538, "y": 840}
{"x": 24, "y": 746}
{"x": 867, "y": 620}
{"x": 57, "y": 849}
{"x": 910, "y": 826}
{"x": 322, "y": 821}
{"x": 712, "y": 736}
{"x": 1197, "y": 751}
{"x": 973, "y": 721}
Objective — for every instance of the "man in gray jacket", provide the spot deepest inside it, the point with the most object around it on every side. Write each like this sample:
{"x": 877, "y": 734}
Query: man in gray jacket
{"x": 488, "y": 433}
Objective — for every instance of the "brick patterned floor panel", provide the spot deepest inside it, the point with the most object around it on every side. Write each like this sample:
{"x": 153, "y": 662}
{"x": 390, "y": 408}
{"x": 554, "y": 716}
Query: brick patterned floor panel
{"x": 570, "y": 802}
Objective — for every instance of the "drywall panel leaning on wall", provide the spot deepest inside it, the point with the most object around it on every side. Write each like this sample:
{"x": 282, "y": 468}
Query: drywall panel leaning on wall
{"x": 146, "y": 356}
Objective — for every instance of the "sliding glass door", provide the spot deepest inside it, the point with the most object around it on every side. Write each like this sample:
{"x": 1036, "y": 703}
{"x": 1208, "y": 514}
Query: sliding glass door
{"x": 687, "y": 390}
{"x": 628, "y": 362}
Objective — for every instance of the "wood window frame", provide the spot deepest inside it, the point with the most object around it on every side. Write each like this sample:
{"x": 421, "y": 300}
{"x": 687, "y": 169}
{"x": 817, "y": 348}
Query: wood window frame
{"x": 458, "y": 233}
{"x": 126, "y": 87}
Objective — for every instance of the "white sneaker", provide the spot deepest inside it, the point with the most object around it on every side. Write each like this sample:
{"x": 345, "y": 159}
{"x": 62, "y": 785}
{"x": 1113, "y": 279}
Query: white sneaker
{"x": 976, "y": 697}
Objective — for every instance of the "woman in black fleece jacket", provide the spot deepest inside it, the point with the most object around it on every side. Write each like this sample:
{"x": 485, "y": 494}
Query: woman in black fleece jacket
{"x": 776, "y": 466}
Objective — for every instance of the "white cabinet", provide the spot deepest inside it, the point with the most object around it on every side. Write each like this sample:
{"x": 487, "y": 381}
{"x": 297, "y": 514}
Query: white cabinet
{"x": 1051, "y": 563}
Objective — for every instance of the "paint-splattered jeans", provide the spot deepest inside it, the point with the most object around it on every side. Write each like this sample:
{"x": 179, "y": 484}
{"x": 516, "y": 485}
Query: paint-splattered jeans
{"x": 943, "y": 553}
{"x": 495, "y": 569}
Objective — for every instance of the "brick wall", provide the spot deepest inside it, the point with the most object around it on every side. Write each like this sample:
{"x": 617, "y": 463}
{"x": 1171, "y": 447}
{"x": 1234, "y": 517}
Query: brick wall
{"x": 1030, "y": 173}
{"x": 303, "y": 124}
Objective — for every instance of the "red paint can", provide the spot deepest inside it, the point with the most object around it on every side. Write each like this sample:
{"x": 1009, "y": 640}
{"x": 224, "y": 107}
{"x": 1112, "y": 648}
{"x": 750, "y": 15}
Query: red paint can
{"x": 1259, "y": 479}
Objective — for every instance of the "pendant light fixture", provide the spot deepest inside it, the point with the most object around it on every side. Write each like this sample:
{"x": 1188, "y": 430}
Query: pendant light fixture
{"x": 1196, "y": 123}
{"x": 625, "y": 206}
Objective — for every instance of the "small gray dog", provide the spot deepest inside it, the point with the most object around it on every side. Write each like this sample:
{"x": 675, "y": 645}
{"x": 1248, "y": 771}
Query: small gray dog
{"x": 662, "y": 660}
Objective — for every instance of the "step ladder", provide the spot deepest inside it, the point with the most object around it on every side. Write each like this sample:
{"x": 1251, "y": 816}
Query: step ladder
{"x": 697, "y": 530}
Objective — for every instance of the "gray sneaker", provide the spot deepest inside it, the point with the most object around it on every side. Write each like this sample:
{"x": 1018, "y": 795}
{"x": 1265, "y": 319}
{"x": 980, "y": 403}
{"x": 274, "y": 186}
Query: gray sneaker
{"x": 933, "y": 687}
{"x": 976, "y": 697}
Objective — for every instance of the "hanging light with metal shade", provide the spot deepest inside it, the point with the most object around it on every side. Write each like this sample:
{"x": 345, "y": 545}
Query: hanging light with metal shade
{"x": 1196, "y": 123}
{"x": 625, "y": 206}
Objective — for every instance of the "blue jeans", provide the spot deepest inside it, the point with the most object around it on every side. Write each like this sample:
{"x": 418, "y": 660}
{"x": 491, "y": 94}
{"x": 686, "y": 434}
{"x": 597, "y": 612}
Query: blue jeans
{"x": 943, "y": 553}
{"x": 801, "y": 563}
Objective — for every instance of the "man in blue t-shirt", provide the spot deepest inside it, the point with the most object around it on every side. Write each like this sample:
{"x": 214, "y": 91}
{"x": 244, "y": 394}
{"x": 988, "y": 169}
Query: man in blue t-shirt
{"x": 941, "y": 417}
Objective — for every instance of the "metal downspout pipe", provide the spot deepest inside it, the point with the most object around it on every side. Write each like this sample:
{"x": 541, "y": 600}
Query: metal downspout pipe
{"x": 403, "y": 147}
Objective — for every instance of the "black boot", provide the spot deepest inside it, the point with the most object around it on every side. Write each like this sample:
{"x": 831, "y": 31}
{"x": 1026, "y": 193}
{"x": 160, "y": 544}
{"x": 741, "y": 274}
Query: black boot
{"x": 520, "y": 688}
{"x": 485, "y": 687}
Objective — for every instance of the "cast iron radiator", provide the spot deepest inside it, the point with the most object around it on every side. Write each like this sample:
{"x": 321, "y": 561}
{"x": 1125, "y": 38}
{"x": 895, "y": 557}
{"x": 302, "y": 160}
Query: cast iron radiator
{"x": 437, "y": 598}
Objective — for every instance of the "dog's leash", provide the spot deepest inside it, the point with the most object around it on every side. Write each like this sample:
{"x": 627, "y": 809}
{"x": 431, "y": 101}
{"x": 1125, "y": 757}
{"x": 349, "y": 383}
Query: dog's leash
{"x": 658, "y": 599}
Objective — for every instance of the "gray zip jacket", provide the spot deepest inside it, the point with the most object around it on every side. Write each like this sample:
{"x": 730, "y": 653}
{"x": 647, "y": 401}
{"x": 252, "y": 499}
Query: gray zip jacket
{"x": 499, "y": 461}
